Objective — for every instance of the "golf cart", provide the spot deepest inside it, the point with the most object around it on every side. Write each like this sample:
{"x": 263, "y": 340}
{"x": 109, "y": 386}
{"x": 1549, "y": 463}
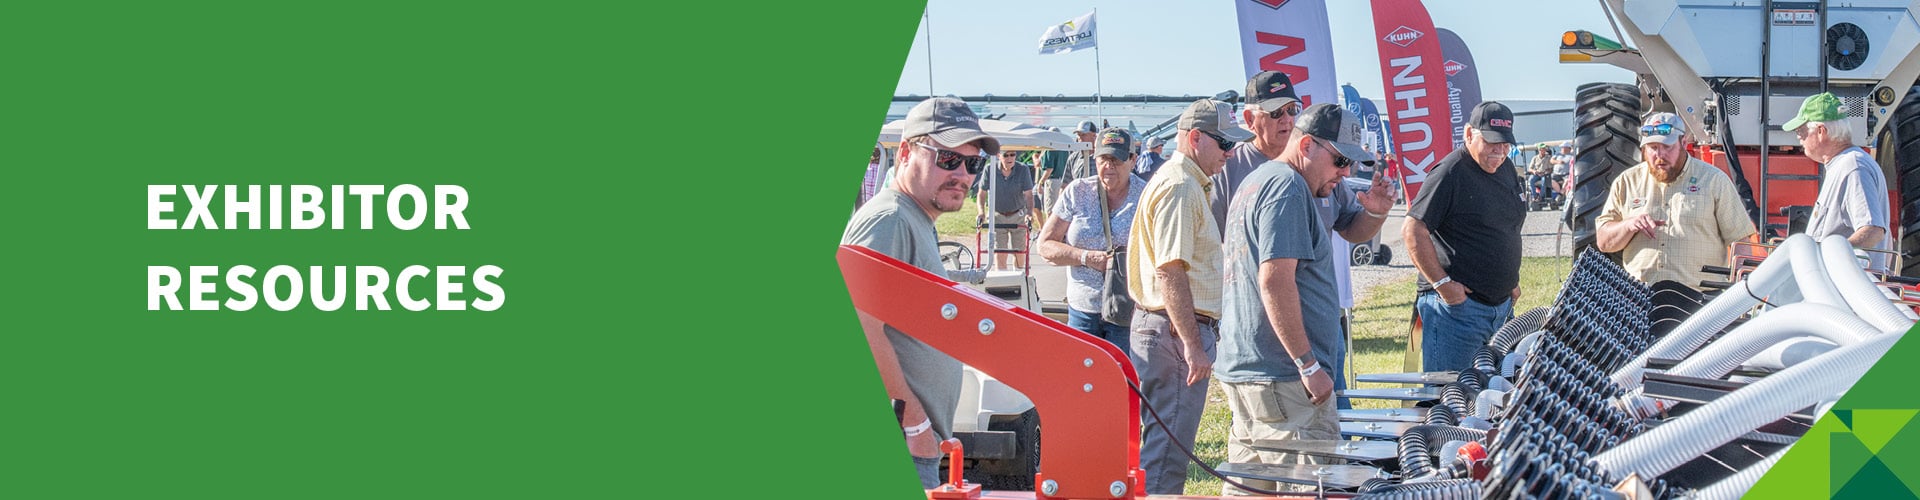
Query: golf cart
{"x": 1370, "y": 252}
{"x": 997, "y": 425}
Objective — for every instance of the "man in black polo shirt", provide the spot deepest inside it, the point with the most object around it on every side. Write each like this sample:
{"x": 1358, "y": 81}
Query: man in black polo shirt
{"x": 1463, "y": 232}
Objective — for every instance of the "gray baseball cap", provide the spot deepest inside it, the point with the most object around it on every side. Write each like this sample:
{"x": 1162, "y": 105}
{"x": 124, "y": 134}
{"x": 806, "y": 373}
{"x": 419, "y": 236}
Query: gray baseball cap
{"x": 1209, "y": 115}
{"x": 1115, "y": 142}
{"x": 1336, "y": 125}
{"x": 949, "y": 122}
{"x": 1086, "y": 126}
{"x": 1154, "y": 142}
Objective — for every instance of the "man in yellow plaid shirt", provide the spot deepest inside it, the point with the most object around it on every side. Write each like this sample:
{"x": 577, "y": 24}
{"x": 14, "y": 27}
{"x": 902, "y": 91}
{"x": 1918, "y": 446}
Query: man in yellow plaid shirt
{"x": 1672, "y": 213}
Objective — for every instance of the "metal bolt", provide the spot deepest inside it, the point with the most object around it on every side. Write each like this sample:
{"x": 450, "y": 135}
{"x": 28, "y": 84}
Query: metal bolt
{"x": 949, "y": 311}
{"x": 1086, "y": 388}
{"x": 1322, "y": 472}
{"x": 1049, "y": 487}
{"x": 1373, "y": 426}
{"x": 1088, "y": 362}
{"x": 1117, "y": 489}
{"x": 986, "y": 327}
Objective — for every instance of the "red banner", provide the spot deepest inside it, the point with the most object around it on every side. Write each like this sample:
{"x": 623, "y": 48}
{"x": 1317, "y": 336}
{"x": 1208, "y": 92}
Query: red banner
{"x": 1413, "y": 74}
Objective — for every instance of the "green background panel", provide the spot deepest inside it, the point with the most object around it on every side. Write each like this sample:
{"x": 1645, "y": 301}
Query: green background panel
{"x": 662, "y": 183}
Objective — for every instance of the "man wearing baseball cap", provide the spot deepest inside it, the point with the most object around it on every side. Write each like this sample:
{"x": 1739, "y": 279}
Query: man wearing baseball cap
{"x": 1280, "y": 330}
{"x": 1270, "y": 112}
{"x": 1463, "y": 233}
{"x": 1853, "y": 192}
{"x": 943, "y": 150}
{"x": 1271, "y": 104}
{"x": 1081, "y": 163}
{"x": 1672, "y": 213}
{"x": 1173, "y": 274}
{"x": 1150, "y": 161}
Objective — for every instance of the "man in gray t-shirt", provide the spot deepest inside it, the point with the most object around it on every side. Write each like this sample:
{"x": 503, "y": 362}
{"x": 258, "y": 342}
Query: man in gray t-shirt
{"x": 1006, "y": 194}
{"x": 1853, "y": 192}
{"x": 939, "y": 158}
{"x": 1280, "y": 318}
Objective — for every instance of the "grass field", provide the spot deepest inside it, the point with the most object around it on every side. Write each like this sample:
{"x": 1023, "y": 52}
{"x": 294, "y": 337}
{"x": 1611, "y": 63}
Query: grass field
{"x": 957, "y": 224}
{"x": 1379, "y": 346}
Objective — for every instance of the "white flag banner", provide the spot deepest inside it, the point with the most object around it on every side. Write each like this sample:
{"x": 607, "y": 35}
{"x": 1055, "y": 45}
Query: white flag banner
{"x": 1292, "y": 37}
{"x": 1075, "y": 34}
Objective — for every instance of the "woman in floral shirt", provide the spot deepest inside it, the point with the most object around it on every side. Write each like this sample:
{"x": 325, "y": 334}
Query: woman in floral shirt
{"x": 1073, "y": 237}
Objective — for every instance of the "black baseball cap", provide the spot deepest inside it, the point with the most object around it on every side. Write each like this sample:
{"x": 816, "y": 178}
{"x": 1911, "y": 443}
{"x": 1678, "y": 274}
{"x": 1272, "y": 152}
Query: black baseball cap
{"x": 1494, "y": 121}
{"x": 1270, "y": 90}
{"x": 1335, "y": 125}
{"x": 1115, "y": 142}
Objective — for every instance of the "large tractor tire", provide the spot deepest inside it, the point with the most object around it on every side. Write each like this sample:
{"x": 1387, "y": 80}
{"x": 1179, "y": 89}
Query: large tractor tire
{"x": 1606, "y": 141}
{"x": 1906, "y": 163}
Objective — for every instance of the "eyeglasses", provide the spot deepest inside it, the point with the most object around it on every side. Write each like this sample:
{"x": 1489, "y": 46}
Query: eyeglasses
{"x": 949, "y": 160}
{"x": 1292, "y": 109}
{"x": 1225, "y": 145}
{"x": 1339, "y": 160}
{"x": 1652, "y": 130}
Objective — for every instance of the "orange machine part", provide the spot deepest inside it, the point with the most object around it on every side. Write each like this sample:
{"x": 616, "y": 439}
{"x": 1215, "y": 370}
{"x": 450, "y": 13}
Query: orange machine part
{"x": 1079, "y": 383}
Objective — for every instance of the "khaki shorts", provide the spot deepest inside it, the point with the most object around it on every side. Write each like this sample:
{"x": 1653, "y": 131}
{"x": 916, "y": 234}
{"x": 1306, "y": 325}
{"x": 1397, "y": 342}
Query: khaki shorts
{"x": 1274, "y": 410}
{"x": 1010, "y": 240}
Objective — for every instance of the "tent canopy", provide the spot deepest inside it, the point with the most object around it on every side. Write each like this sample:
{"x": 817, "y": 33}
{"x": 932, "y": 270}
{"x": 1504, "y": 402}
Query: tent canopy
{"x": 1013, "y": 136}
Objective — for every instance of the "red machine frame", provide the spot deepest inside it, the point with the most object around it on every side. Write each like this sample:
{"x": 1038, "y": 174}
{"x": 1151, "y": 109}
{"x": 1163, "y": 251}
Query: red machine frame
{"x": 1070, "y": 376}
{"x": 1075, "y": 380}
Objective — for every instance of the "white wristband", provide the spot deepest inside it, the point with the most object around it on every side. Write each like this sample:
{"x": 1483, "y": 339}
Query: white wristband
{"x": 1086, "y": 258}
{"x": 1310, "y": 369}
{"x": 1376, "y": 215}
{"x": 919, "y": 429}
{"x": 1443, "y": 281}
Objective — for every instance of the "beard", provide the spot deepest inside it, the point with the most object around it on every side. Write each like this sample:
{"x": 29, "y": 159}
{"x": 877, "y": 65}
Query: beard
{"x": 1664, "y": 171}
{"x": 959, "y": 200}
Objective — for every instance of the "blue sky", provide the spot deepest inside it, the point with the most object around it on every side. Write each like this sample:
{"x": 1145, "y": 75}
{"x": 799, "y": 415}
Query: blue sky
{"x": 1192, "y": 48}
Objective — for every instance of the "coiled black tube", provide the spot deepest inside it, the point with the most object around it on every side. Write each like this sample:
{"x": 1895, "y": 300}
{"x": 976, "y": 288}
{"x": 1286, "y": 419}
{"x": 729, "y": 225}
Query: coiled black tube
{"x": 1450, "y": 489}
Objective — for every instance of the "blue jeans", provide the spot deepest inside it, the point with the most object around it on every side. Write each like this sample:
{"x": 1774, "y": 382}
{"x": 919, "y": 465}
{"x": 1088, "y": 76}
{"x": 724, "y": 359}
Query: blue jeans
{"x": 1093, "y": 325}
{"x": 1450, "y": 334}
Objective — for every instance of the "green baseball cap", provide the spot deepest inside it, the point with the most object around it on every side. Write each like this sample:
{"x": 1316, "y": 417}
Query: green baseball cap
{"x": 1821, "y": 107}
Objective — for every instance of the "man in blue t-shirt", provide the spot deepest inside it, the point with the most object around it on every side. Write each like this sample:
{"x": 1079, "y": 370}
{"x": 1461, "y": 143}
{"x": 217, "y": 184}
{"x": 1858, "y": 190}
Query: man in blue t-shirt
{"x": 1280, "y": 323}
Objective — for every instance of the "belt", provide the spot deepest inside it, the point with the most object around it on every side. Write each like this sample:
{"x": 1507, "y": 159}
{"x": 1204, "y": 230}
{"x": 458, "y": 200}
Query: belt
{"x": 1203, "y": 319}
{"x": 1013, "y": 213}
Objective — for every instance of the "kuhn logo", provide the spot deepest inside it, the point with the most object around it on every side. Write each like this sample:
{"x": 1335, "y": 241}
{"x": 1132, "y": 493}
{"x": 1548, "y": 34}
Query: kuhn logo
{"x": 1271, "y": 3}
{"x": 1403, "y": 36}
{"x": 1454, "y": 67}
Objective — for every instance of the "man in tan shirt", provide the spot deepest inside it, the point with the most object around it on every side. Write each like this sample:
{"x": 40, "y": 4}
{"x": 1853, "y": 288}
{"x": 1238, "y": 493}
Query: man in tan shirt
{"x": 1672, "y": 213}
{"x": 1174, "y": 275}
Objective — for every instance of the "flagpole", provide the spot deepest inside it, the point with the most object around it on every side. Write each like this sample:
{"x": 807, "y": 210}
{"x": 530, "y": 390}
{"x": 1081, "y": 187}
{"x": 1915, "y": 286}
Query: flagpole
{"x": 1099, "y": 112}
{"x": 928, "y": 21}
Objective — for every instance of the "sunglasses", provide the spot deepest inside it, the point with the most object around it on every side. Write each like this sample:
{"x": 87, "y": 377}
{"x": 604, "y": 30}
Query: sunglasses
{"x": 1339, "y": 160}
{"x": 1284, "y": 111}
{"x": 1225, "y": 145}
{"x": 1661, "y": 129}
{"x": 949, "y": 160}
